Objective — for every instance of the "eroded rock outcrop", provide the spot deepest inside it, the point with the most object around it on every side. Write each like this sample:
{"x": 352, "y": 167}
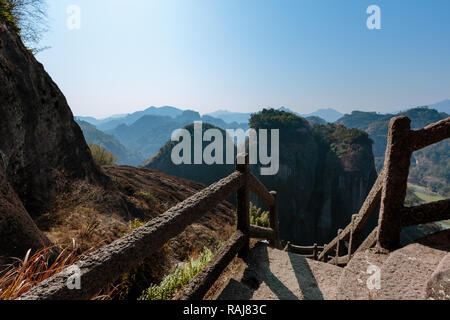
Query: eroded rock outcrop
{"x": 42, "y": 149}
{"x": 325, "y": 173}
{"x": 48, "y": 176}
{"x": 39, "y": 139}
{"x": 18, "y": 232}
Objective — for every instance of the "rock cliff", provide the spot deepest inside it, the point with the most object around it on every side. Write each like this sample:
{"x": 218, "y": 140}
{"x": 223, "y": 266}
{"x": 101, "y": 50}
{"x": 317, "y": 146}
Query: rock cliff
{"x": 325, "y": 173}
{"x": 40, "y": 143}
{"x": 51, "y": 190}
{"x": 42, "y": 149}
{"x": 17, "y": 230}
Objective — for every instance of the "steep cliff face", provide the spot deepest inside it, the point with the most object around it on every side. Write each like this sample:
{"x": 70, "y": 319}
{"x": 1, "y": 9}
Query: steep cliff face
{"x": 52, "y": 192}
{"x": 43, "y": 155}
{"x": 299, "y": 163}
{"x": 326, "y": 171}
{"x": 17, "y": 229}
{"x": 40, "y": 143}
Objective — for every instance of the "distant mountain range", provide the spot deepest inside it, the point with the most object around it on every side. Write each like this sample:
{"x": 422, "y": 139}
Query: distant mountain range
{"x": 329, "y": 115}
{"x": 430, "y": 167}
{"x": 124, "y": 155}
{"x": 109, "y": 123}
{"x": 443, "y": 106}
{"x": 228, "y": 116}
{"x": 137, "y": 137}
{"x": 116, "y": 120}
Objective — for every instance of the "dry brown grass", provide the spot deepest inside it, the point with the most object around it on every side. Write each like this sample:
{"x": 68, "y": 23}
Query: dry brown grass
{"x": 87, "y": 228}
{"x": 23, "y": 274}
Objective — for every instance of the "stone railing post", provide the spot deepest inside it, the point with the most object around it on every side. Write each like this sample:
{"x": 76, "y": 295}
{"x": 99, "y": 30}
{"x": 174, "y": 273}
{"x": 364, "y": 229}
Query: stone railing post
{"x": 242, "y": 202}
{"x": 355, "y": 238}
{"x": 274, "y": 223}
{"x": 339, "y": 246}
{"x": 396, "y": 166}
{"x": 315, "y": 252}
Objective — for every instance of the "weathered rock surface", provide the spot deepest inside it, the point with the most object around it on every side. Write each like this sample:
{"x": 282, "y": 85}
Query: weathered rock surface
{"x": 353, "y": 282}
{"x": 42, "y": 149}
{"x": 414, "y": 272}
{"x": 405, "y": 273}
{"x": 41, "y": 145}
{"x": 18, "y": 232}
{"x": 438, "y": 287}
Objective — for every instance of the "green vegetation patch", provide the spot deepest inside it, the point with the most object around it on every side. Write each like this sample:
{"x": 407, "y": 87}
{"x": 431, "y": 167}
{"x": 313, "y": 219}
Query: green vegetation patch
{"x": 425, "y": 195}
{"x": 101, "y": 156}
{"x": 7, "y": 17}
{"x": 259, "y": 217}
{"x": 277, "y": 119}
{"x": 179, "y": 278}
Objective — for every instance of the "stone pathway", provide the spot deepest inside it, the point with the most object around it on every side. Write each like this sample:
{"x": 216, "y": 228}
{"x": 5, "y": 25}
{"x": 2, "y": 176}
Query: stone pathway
{"x": 416, "y": 272}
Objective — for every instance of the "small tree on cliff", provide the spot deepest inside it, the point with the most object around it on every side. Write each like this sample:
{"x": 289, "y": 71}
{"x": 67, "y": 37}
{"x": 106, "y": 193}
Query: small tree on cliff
{"x": 27, "y": 17}
{"x": 101, "y": 156}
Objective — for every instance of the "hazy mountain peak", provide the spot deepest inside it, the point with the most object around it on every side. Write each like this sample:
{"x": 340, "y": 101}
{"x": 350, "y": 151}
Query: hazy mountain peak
{"x": 443, "y": 106}
{"x": 328, "y": 114}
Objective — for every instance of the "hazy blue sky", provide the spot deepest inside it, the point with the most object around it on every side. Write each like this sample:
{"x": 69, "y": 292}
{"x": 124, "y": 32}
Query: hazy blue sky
{"x": 243, "y": 55}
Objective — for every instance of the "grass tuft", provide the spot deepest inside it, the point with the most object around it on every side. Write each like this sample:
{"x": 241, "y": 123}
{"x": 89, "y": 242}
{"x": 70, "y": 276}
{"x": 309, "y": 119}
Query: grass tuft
{"x": 179, "y": 278}
{"x": 23, "y": 274}
{"x": 258, "y": 217}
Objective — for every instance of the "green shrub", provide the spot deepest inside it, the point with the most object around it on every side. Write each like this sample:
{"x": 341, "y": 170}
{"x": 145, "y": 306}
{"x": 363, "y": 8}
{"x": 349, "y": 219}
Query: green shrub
{"x": 147, "y": 196}
{"x": 259, "y": 217}
{"x": 179, "y": 278}
{"x": 134, "y": 224}
{"x": 101, "y": 155}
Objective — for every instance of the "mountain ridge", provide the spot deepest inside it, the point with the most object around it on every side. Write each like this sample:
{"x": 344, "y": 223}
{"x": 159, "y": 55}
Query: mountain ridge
{"x": 321, "y": 167}
{"x": 429, "y": 167}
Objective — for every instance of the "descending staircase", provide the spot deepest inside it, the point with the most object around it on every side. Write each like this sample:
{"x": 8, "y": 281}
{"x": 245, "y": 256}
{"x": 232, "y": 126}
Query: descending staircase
{"x": 272, "y": 274}
{"x": 418, "y": 271}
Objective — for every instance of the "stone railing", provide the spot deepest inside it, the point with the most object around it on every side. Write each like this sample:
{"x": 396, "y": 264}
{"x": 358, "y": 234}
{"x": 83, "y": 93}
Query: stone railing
{"x": 311, "y": 252}
{"x": 110, "y": 262}
{"x": 389, "y": 192}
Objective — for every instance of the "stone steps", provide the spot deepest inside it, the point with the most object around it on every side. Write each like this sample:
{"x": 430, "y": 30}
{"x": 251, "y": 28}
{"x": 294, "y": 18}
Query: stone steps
{"x": 405, "y": 273}
{"x": 415, "y": 272}
{"x": 353, "y": 282}
{"x": 273, "y": 274}
{"x": 438, "y": 286}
